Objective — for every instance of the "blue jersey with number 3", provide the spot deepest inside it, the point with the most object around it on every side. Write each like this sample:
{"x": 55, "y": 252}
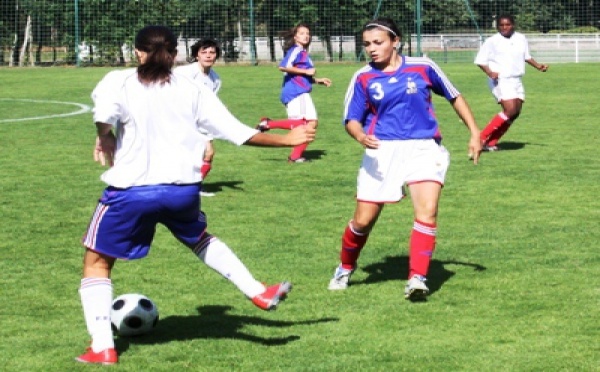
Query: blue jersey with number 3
{"x": 398, "y": 105}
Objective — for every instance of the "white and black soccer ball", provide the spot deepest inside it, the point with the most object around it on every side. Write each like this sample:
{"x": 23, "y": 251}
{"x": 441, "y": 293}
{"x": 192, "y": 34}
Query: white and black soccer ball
{"x": 133, "y": 314}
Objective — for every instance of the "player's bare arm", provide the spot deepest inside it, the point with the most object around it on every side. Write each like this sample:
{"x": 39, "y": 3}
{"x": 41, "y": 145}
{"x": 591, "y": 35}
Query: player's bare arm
{"x": 538, "y": 66}
{"x": 463, "y": 110}
{"x": 296, "y": 136}
{"x": 488, "y": 72}
{"x": 104, "y": 149}
{"x": 298, "y": 71}
{"x": 355, "y": 130}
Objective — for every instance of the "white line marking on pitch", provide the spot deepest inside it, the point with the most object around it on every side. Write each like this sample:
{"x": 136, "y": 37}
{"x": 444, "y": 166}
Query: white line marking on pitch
{"x": 82, "y": 109}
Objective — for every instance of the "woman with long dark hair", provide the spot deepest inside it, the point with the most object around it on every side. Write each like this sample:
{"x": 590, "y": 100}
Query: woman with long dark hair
{"x": 148, "y": 122}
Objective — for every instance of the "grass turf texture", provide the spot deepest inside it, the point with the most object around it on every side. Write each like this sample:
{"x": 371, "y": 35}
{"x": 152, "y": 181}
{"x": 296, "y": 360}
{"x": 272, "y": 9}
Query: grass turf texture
{"x": 515, "y": 278}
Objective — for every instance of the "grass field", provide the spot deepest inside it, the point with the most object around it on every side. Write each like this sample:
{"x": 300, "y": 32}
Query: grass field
{"x": 515, "y": 278}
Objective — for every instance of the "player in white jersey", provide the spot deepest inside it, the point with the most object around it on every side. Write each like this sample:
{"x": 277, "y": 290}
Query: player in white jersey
{"x": 389, "y": 111}
{"x": 502, "y": 57}
{"x": 148, "y": 122}
{"x": 205, "y": 52}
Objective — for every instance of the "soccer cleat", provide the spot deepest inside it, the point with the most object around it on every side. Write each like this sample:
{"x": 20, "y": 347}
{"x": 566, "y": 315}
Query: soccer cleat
{"x": 106, "y": 357}
{"x": 487, "y": 148}
{"x": 298, "y": 160}
{"x": 415, "y": 289}
{"x": 341, "y": 279}
{"x": 263, "y": 126}
{"x": 269, "y": 299}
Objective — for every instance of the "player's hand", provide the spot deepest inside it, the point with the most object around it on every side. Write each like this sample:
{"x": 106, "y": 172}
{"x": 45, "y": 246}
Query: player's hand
{"x": 301, "y": 134}
{"x": 475, "y": 148}
{"x": 323, "y": 81}
{"x": 493, "y": 75}
{"x": 368, "y": 141}
{"x": 104, "y": 151}
{"x": 543, "y": 68}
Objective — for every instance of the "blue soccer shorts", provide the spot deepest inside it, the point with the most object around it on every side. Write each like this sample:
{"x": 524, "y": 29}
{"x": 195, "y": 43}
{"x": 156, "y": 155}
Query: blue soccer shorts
{"x": 124, "y": 222}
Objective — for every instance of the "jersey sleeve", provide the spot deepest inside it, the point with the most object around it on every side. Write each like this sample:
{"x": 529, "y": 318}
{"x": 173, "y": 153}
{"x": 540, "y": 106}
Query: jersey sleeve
{"x": 213, "y": 117}
{"x": 482, "y": 57}
{"x": 106, "y": 98}
{"x": 290, "y": 57}
{"x": 440, "y": 84}
{"x": 356, "y": 100}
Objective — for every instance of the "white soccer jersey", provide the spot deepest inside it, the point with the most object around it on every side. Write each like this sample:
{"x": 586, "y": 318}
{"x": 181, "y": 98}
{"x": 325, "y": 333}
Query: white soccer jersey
{"x": 506, "y": 56}
{"x": 165, "y": 119}
{"x": 212, "y": 81}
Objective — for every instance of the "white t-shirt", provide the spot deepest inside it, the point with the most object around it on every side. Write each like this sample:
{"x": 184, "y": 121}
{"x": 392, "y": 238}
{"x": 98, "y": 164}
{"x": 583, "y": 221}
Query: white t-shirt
{"x": 158, "y": 128}
{"x": 506, "y": 56}
{"x": 212, "y": 81}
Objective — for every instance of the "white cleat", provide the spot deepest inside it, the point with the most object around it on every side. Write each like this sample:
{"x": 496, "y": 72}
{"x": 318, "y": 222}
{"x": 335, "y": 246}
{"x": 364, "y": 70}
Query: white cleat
{"x": 341, "y": 279}
{"x": 415, "y": 289}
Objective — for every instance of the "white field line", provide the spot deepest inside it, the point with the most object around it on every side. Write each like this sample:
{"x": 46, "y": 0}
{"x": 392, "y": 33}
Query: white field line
{"x": 82, "y": 109}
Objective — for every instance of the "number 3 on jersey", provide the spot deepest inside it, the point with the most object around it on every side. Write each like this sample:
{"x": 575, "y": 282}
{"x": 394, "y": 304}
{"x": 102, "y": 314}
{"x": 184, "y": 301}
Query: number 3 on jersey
{"x": 378, "y": 91}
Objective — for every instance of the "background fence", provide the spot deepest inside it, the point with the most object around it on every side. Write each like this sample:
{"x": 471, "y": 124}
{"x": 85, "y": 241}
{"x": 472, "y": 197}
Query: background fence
{"x": 100, "y": 32}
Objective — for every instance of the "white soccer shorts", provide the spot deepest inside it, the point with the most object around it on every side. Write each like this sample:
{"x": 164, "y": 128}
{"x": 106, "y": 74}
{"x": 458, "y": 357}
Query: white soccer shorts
{"x": 302, "y": 107}
{"x": 507, "y": 88}
{"x": 384, "y": 171}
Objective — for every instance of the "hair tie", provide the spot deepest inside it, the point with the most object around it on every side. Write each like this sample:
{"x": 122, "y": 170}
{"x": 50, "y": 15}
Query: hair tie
{"x": 381, "y": 26}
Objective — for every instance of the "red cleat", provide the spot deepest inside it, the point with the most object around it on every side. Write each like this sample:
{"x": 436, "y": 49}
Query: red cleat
{"x": 269, "y": 299}
{"x": 106, "y": 357}
{"x": 263, "y": 126}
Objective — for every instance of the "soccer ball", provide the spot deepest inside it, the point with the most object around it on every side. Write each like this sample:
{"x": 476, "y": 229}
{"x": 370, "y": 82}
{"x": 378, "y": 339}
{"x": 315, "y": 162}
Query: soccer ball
{"x": 133, "y": 314}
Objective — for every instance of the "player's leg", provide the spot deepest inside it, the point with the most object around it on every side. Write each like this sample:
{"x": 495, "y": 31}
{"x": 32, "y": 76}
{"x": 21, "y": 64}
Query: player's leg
{"x": 425, "y": 197}
{"x": 302, "y": 107}
{"x": 512, "y": 109}
{"x": 267, "y": 124}
{"x": 354, "y": 238}
{"x": 96, "y": 293}
{"x": 376, "y": 185}
{"x": 122, "y": 226}
{"x": 427, "y": 171}
{"x": 188, "y": 225}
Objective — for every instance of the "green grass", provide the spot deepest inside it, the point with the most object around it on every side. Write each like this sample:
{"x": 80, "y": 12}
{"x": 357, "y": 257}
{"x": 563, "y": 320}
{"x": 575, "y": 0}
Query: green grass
{"x": 515, "y": 278}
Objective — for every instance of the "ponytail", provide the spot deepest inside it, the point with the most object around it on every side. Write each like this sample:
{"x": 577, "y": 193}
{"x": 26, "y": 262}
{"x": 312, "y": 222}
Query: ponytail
{"x": 160, "y": 44}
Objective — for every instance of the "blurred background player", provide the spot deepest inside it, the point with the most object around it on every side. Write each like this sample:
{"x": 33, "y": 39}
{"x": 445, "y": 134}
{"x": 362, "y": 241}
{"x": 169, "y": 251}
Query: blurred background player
{"x": 502, "y": 57}
{"x": 299, "y": 76}
{"x": 389, "y": 111}
{"x": 148, "y": 122}
{"x": 204, "y": 54}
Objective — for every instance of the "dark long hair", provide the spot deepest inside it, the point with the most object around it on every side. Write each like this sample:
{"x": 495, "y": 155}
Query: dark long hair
{"x": 161, "y": 45}
{"x": 288, "y": 36}
{"x": 386, "y": 24}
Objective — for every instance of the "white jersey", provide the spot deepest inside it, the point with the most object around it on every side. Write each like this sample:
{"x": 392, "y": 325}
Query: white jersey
{"x": 158, "y": 128}
{"x": 506, "y": 56}
{"x": 212, "y": 81}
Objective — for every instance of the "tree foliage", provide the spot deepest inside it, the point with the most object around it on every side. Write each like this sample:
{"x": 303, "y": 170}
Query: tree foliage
{"x": 105, "y": 26}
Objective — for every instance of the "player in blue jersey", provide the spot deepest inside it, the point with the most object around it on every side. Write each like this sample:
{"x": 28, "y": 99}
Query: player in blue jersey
{"x": 299, "y": 76}
{"x": 149, "y": 123}
{"x": 389, "y": 111}
{"x": 205, "y": 53}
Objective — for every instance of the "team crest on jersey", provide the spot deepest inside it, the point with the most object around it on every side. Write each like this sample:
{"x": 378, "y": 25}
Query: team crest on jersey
{"x": 411, "y": 87}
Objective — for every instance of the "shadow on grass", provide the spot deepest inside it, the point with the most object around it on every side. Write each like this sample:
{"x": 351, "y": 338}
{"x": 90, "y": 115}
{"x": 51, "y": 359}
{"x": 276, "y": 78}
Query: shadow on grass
{"x": 214, "y": 187}
{"x": 214, "y": 322}
{"x": 396, "y": 268}
{"x": 509, "y": 146}
{"x": 314, "y": 154}
{"x": 310, "y": 155}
